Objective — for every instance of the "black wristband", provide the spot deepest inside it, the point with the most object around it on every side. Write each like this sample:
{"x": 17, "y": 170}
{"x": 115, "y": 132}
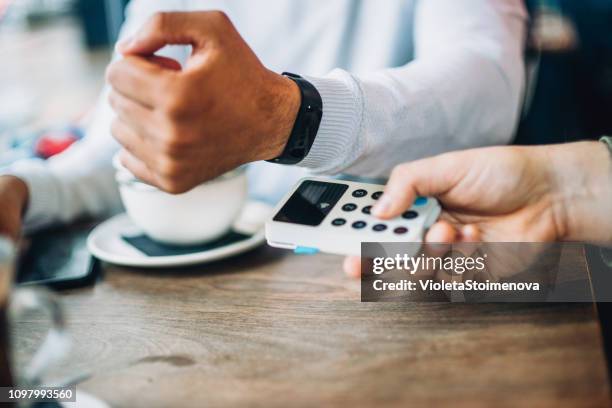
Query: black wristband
{"x": 306, "y": 123}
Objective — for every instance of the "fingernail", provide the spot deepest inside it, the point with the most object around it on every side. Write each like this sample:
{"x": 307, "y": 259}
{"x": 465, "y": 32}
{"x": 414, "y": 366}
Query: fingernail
{"x": 382, "y": 206}
{"x": 470, "y": 233}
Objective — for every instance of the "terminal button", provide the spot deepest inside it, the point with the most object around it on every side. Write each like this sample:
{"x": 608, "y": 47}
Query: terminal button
{"x": 420, "y": 201}
{"x": 349, "y": 207}
{"x": 360, "y": 193}
{"x": 339, "y": 222}
{"x": 410, "y": 215}
{"x": 359, "y": 224}
{"x": 377, "y": 195}
{"x": 400, "y": 230}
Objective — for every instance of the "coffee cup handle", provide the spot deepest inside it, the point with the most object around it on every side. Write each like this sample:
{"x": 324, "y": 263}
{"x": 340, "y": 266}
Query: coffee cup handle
{"x": 56, "y": 343}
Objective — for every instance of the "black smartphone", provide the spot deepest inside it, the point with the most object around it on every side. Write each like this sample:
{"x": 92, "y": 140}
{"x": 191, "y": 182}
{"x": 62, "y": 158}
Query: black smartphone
{"x": 58, "y": 258}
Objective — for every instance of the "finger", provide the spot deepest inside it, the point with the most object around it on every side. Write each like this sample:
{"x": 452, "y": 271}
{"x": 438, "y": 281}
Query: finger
{"x": 131, "y": 141}
{"x": 352, "y": 266}
{"x": 164, "y": 62}
{"x": 468, "y": 240}
{"x": 10, "y": 226}
{"x": 470, "y": 233}
{"x": 433, "y": 176}
{"x": 441, "y": 232}
{"x": 138, "y": 79}
{"x": 135, "y": 115}
{"x": 138, "y": 168}
{"x": 438, "y": 241}
{"x": 172, "y": 28}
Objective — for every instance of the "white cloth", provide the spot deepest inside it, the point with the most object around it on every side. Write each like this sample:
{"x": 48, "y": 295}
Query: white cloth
{"x": 399, "y": 79}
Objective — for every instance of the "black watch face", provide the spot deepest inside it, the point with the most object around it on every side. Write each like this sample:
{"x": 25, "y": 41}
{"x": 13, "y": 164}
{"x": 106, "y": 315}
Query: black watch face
{"x": 311, "y": 203}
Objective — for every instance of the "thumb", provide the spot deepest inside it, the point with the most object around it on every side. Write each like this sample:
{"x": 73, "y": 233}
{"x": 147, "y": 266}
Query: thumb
{"x": 171, "y": 28}
{"x": 432, "y": 176}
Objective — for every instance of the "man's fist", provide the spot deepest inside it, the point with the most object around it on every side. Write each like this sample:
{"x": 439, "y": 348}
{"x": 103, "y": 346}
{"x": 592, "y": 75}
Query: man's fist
{"x": 181, "y": 126}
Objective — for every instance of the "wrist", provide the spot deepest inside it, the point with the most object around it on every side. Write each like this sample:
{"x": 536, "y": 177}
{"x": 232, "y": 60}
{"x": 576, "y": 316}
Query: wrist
{"x": 581, "y": 186}
{"x": 284, "y": 100}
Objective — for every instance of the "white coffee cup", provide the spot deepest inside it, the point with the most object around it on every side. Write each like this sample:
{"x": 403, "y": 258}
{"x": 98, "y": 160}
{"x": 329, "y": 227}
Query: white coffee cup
{"x": 200, "y": 215}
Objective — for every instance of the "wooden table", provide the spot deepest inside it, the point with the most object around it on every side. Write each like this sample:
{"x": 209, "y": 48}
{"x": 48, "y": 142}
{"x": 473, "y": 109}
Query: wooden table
{"x": 273, "y": 329}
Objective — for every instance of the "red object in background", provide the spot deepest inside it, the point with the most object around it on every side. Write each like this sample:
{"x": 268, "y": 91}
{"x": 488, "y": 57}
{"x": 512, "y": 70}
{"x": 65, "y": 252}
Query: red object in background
{"x": 51, "y": 144}
{"x": 3, "y": 7}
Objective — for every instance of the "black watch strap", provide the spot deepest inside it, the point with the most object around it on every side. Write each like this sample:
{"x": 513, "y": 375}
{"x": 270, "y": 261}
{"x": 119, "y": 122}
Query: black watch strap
{"x": 306, "y": 123}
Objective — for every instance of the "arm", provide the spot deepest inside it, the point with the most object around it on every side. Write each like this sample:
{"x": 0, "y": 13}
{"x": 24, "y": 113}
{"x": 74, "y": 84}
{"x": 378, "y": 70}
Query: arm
{"x": 582, "y": 185}
{"x": 225, "y": 108}
{"x": 463, "y": 89}
{"x": 74, "y": 183}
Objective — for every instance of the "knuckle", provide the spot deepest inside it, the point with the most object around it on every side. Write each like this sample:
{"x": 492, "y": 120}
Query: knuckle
{"x": 169, "y": 141}
{"x": 159, "y": 20}
{"x": 175, "y": 96}
{"x": 172, "y": 148}
{"x": 220, "y": 17}
{"x": 174, "y": 107}
{"x": 168, "y": 168}
{"x": 400, "y": 172}
{"x": 112, "y": 100}
{"x": 173, "y": 186}
{"x": 111, "y": 73}
{"x": 115, "y": 102}
{"x": 116, "y": 128}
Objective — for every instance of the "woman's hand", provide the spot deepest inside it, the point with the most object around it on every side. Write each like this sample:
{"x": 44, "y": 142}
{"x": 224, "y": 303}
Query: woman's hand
{"x": 508, "y": 194}
{"x": 14, "y": 197}
{"x": 491, "y": 194}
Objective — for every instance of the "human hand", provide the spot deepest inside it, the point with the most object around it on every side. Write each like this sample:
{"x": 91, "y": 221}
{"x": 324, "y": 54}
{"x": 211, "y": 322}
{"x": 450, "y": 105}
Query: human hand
{"x": 14, "y": 197}
{"x": 508, "y": 194}
{"x": 182, "y": 126}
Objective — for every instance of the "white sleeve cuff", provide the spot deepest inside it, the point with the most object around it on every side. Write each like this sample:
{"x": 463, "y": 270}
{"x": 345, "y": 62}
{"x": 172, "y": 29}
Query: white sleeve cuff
{"x": 338, "y": 142}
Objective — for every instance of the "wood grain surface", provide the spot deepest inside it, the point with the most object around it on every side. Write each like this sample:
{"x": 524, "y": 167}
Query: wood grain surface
{"x": 271, "y": 329}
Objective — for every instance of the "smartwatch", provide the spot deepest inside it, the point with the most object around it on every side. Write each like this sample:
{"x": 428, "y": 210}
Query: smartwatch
{"x": 306, "y": 123}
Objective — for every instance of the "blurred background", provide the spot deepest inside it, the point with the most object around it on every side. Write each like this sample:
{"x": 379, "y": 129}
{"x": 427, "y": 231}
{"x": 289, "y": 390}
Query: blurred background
{"x": 54, "y": 53}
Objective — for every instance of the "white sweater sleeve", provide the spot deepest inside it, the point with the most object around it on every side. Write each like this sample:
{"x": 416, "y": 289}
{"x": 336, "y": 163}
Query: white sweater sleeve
{"x": 77, "y": 182}
{"x": 463, "y": 89}
{"x": 80, "y": 181}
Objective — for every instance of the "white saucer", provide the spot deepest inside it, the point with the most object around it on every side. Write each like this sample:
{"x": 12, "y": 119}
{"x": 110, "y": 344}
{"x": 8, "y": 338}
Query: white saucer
{"x": 105, "y": 241}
